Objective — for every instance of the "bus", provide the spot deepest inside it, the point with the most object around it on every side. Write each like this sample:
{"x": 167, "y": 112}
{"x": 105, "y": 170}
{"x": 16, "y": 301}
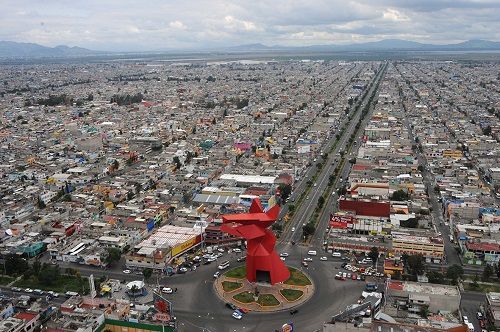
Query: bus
{"x": 224, "y": 265}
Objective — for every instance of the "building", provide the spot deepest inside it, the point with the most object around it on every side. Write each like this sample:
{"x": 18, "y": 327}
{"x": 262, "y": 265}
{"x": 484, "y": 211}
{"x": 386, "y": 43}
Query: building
{"x": 436, "y": 297}
{"x": 429, "y": 247}
{"x": 493, "y": 308}
{"x": 161, "y": 246}
{"x": 393, "y": 267}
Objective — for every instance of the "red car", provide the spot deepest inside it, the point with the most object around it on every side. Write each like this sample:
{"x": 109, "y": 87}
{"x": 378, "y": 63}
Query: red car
{"x": 482, "y": 323}
{"x": 354, "y": 276}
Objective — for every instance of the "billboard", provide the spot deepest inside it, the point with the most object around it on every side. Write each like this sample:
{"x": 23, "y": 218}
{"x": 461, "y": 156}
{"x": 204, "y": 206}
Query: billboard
{"x": 163, "y": 308}
{"x": 185, "y": 246}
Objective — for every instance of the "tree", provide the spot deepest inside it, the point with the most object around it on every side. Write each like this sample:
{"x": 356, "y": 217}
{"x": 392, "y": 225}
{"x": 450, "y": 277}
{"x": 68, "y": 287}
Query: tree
{"x": 435, "y": 277}
{"x": 487, "y": 130}
{"x": 36, "y": 267}
{"x": 373, "y": 254}
{"x": 114, "y": 255}
{"x": 147, "y": 273}
{"x": 454, "y": 272}
{"x": 177, "y": 163}
{"x": 400, "y": 195}
{"x": 321, "y": 201}
{"x": 15, "y": 264}
{"x": 415, "y": 265}
{"x": 291, "y": 208}
{"x": 277, "y": 227}
{"x": 285, "y": 190}
{"x": 487, "y": 272}
{"x": 308, "y": 229}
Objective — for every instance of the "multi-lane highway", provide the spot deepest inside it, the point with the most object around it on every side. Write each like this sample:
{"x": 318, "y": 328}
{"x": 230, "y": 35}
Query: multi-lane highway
{"x": 304, "y": 211}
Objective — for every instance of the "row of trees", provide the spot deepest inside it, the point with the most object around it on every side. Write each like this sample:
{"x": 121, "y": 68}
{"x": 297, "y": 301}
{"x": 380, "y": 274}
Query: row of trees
{"x": 127, "y": 99}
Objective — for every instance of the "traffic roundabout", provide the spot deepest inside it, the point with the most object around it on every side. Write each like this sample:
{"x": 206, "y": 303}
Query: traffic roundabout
{"x": 233, "y": 287}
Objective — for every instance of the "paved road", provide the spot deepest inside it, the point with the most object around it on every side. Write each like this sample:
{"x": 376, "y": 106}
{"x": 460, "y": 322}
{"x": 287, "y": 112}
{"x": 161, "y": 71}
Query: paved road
{"x": 306, "y": 209}
{"x": 469, "y": 306}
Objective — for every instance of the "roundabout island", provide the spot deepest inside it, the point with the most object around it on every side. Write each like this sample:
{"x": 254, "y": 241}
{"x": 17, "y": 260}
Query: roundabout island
{"x": 233, "y": 287}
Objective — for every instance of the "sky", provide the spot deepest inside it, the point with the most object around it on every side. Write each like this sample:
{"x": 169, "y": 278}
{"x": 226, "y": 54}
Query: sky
{"x": 148, "y": 25}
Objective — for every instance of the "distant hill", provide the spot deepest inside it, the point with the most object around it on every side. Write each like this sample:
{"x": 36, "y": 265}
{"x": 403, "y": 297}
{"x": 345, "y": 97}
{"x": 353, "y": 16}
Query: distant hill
{"x": 10, "y": 49}
{"x": 382, "y": 45}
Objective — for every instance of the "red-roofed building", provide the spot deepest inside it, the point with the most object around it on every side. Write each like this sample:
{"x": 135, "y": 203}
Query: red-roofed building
{"x": 30, "y": 320}
{"x": 366, "y": 208}
{"x": 487, "y": 252}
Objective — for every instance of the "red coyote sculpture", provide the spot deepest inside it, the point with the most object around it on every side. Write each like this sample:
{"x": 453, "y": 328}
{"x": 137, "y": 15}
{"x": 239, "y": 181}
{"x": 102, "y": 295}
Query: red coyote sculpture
{"x": 263, "y": 264}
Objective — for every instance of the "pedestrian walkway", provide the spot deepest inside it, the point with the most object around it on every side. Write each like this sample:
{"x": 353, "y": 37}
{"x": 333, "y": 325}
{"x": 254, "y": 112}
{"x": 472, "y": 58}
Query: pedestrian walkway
{"x": 262, "y": 288}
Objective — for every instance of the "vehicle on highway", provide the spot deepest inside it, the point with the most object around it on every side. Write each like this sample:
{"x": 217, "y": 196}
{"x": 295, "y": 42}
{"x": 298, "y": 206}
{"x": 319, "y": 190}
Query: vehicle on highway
{"x": 231, "y": 306}
{"x": 293, "y": 229}
{"x": 312, "y": 252}
{"x": 304, "y": 264}
{"x": 284, "y": 254}
{"x": 127, "y": 271}
{"x": 465, "y": 319}
{"x": 307, "y": 197}
{"x": 283, "y": 259}
{"x": 336, "y": 254}
{"x": 167, "y": 290}
{"x": 293, "y": 311}
{"x": 237, "y": 314}
{"x": 479, "y": 315}
{"x": 217, "y": 274}
{"x": 323, "y": 258}
{"x": 308, "y": 259}
{"x": 315, "y": 184}
{"x": 223, "y": 265}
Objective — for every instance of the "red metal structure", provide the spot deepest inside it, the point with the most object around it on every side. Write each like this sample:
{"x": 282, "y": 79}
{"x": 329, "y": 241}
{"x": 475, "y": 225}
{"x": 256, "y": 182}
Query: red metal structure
{"x": 263, "y": 263}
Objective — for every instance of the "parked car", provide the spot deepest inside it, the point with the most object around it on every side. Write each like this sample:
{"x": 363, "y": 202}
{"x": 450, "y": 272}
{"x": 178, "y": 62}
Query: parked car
{"x": 308, "y": 259}
{"x": 237, "y": 314}
{"x": 323, "y": 258}
{"x": 237, "y": 250}
{"x": 231, "y": 306}
{"x": 38, "y": 291}
{"x": 127, "y": 271}
{"x": 241, "y": 259}
{"x": 16, "y": 289}
{"x": 28, "y": 290}
{"x": 217, "y": 274}
{"x": 284, "y": 254}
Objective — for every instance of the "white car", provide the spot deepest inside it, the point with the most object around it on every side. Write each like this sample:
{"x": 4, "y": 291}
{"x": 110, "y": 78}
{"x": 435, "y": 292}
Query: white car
{"x": 308, "y": 259}
{"x": 167, "y": 290}
{"x": 284, "y": 254}
{"x": 28, "y": 290}
{"x": 293, "y": 229}
{"x": 220, "y": 250}
{"x": 127, "y": 271}
{"x": 236, "y": 250}
{"x": 216, "y": 274}
{"x": 323, "y": 258}
{"x": 237, "y": 314}
{"x": 283, "y": 258}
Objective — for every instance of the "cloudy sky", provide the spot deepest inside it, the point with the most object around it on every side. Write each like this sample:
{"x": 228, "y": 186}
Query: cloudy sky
{"x": 136, "y": 25}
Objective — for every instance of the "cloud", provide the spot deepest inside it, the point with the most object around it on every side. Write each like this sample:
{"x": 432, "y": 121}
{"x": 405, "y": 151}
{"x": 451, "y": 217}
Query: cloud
{"x": 157, "y": 24}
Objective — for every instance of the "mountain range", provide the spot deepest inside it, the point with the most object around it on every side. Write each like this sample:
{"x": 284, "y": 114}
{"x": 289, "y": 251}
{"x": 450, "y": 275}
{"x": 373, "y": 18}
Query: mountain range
{"x": 9, "y": 49}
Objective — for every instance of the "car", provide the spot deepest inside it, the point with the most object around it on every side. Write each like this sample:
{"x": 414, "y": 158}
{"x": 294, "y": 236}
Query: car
{"x": 344, "y": 275}
{"x": 465, "y": 319}
{"x": 244, "y": 310}
{"x": 284, "y": 254}
{"x": 312, "y": 252}
{"x": 354, "y": 276}
{"x": 28, "y": 290}
{"x": 293, "y": 229}
{"x": 479, "y": 315}
{"x": 308, "y": 259}
{"x": 237, "y": 314}
{"x": 241, "y": 259}
{"x": 315, "y": 184}
{"x": 206, "y": 262}
{"x": 293, "y": 311}
{"x": 221, "y": 250}
{"x": 348, "y": 276}
{"x": 237, "y": 250}
{"x": 127, "y": 271}
{"x": 304, "y": 264}
{"x": 307, "y": 197}
{"x": 16, "y": 289}
{"x": 283, "y": 259}
{"x": 38, "y": 291}
{"x": 336, "y": 254}
{"x": 343, "y": 265}
{"x": 182, "y": 270}
{"x": 167, "y": 290}
{"x": 217, "y": 274}
{"x": 231, "y": 306}
{"x": 323, "y": 258}
{"x": 482, "y": 323}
